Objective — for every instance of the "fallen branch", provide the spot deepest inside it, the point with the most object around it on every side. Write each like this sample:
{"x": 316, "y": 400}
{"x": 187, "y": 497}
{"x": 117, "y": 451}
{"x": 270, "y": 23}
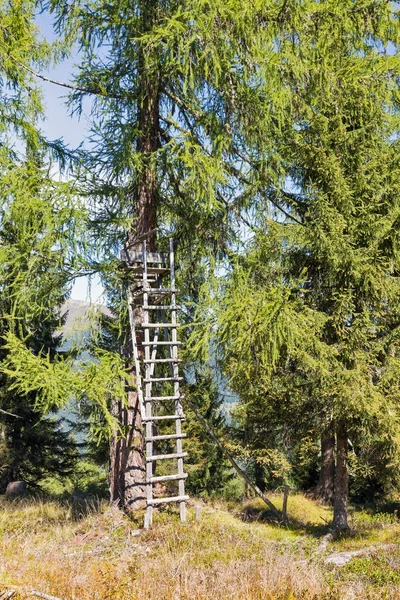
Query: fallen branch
{"x": 233, "y": 462}
{"x": 5, "y": 412}
{"x": 12, "y": 589}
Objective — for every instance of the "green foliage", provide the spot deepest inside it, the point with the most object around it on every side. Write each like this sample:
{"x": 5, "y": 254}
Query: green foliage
{"x": 304, "y": 322}
{"x": 209, "y": 471}
{"x": 55, "y": 382}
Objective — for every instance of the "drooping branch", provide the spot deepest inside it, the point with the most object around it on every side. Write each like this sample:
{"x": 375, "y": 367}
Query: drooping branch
{"x": 70, "y": 86}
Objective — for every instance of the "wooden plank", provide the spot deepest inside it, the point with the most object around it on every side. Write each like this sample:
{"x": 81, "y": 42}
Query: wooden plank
{"x": 170, "y": 436}
{"x": 160, "y": 478}
{"x": 162, "y": 360}
{"x": 138, "y": 269}
{"x": 159, "y": 379}
{"x": 160, "y": 325}
{"x": 157, "y": 398}
{"x": 163, "y": 307}
{"x": 166, "y": 456}
{"x": 158, "y": 291}
{"x": 137, "y": 257}
{"x": 182, "y": 417}
{"x": 171, "y": 499}
{"x": 161, "y": 343}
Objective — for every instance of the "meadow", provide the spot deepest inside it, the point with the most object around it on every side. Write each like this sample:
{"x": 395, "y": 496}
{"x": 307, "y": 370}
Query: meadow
{"x": 85, "y": 549}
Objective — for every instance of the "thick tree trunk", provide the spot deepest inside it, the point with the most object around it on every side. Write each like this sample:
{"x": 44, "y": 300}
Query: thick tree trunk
{"x": 341, "y": 479}
{"x": 325, "y": 489}
{"x": 127, "y": 459}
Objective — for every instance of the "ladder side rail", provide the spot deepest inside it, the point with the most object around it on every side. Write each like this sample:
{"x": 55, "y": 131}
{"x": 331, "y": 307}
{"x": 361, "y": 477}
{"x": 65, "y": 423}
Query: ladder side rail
{"x": 175, "y": 371}
{"x": 138, "y": 377}
{"x": 148, "y": 405}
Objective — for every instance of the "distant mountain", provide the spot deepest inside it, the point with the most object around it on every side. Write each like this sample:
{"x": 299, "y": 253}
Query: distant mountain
{"x": 77, "y": 312}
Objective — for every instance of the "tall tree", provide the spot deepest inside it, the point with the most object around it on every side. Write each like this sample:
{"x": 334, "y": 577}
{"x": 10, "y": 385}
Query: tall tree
{"x": 175, "y": 101}
{"x": 328, "y": 311}
{"x": 37, "y": 220}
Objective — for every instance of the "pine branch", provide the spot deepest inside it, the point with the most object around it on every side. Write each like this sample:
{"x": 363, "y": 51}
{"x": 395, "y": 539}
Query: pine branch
{"x": 75, "y": 88}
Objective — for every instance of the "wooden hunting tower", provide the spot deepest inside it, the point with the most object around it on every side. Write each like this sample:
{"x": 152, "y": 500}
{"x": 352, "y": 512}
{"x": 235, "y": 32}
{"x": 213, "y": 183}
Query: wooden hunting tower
{"x": 153, "y": 321}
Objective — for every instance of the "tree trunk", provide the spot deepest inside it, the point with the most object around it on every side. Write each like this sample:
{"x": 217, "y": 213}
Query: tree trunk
{"x": 325, "y": 489}
{"x": 127, "y": 459}
{"x": 341, "y": 479}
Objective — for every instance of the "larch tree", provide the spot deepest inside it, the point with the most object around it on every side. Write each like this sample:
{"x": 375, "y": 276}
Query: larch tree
{"x": 180, "y": 89}
{"x": 322, "y": 311}
{"x": 37, "y": 222}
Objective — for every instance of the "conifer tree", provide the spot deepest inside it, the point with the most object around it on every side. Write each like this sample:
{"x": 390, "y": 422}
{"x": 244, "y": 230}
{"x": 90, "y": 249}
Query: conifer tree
{"x": 321, "y": 311}
{"x": 37, "y": 220}
{"x": 175, "y": 102}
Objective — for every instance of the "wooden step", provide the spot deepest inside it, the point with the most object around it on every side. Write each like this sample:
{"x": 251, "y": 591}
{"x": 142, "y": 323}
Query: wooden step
{"x": 149, "y": 361}
{"x": 151, "y": 257}
{"x": 170, "y": 436}
{"x": 157, "y": 398}
{"x": 168, "y": 478}
{"x": 162, "y": 307}
{"x": 165, "y": 500}
{"x": 164, "y": 418}
{"x": 159, "y": 291}
{"x": 166, "y": 456}
{"x": 150, "y": 270}
{"x": 169, "y": 343}
{"x": 160, "y": 325}
{"x": 159, "y": 379}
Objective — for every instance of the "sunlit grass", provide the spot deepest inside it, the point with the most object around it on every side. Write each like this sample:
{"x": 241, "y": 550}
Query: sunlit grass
{"x": 81, "y": 550}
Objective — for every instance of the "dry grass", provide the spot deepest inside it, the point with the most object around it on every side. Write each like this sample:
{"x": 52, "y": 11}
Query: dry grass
{"x": 81, "y": 551}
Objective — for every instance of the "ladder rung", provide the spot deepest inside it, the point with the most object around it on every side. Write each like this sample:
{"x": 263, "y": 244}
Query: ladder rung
{"x": 169, "y": 343}
{"x": 170, "y": 436}
{"x": 161, "y": 307}
{"x": 166, "y": 456}
{"x": 156, "y": 398}
{"x": 156, "y": 325}
{"x": 150, "y": 270}
{"x": 156, "y": 291}
{"x": 168, "y": 478}
{"x": 149, "y": 361}
{"x": 165, "y": 500}
{"x": 163, "y": 418}
{"x": 158, "y": 379}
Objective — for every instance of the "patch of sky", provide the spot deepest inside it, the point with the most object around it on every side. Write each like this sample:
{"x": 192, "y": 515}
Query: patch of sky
{"x": 73, "y": 129}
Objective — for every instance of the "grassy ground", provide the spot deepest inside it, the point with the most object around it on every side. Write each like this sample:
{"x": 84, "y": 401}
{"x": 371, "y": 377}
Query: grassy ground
{"x": 81, "y": 550}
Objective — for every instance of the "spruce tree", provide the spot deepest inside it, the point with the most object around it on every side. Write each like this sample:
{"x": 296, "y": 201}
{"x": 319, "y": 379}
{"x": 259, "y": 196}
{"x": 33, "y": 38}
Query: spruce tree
{"x": 205, "y": 111}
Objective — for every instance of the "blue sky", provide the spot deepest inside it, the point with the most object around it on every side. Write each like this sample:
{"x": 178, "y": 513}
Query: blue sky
{"x": 60, "y": 124}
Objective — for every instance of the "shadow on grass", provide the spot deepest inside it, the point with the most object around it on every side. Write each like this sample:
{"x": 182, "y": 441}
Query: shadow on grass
{"x": 77, "y": 507}
{"x": 362, "y": 520}
{"x": 254, "y": 514}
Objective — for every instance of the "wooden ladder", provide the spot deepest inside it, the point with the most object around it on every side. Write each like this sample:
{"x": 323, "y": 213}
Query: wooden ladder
{"x": 157, "y": 332}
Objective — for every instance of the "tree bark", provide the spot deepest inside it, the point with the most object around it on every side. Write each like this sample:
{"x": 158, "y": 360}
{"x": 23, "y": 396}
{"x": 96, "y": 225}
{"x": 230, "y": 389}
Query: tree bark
{"x": 341, "y": 479}
{"x": 127, "y": 458}
{"x": 325, "y": 488}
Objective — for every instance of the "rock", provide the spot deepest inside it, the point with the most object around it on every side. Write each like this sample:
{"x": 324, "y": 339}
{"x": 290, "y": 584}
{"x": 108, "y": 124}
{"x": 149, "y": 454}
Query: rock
{"x": 16, "y": 488}
{"x": 339, "y": 559}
